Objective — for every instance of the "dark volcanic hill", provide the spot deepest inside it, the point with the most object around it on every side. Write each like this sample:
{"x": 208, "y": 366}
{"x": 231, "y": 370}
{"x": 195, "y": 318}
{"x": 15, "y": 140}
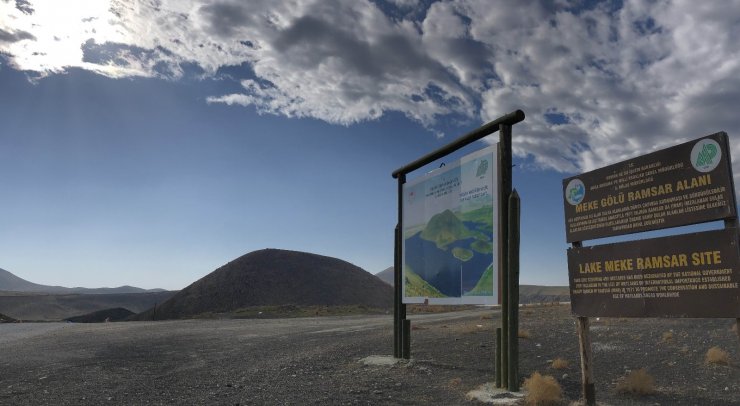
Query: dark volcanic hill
{"x": 11, "y": 283}
{"x": 100, "y": 316}
{"x": 276, "y": 277}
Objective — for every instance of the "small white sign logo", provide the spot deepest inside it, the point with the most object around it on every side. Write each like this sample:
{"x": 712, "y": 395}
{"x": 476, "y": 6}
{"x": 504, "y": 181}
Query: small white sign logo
{"x": 705, "y": 155}
{"x": 575, "y": 192}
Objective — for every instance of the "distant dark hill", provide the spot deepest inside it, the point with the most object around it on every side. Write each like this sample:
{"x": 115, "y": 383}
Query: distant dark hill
{"x": 386, "y": 275}
{"x": 100, "y": 316}
{"x": 6, "y": 319}
{"x": 445, "y": 228}
{"x": 276, "y": 277}
{"x": 527, "y": 293}
{"x": 12, "y": 283}
{"x": 45, "y": 306}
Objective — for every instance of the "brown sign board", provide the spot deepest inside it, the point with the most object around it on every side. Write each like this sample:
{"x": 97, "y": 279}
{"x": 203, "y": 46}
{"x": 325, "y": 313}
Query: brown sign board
{"x": 689, "y": 275}
{"x": 685, "y": 184}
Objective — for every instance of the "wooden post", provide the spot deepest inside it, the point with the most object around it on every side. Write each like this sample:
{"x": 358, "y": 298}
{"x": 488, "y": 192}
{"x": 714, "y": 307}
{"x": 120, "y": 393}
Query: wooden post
{"x": 497, "y": 359}
{"x": 504, "y": 173}
{"x": 737, "y": 328}
{"x": 407, "y": 339}
{"x": 513, "y": 256}
{"x": 584, "y": 346}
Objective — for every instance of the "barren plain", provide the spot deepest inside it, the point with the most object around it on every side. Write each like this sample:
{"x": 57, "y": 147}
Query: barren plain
{"x": 317, "y": 360}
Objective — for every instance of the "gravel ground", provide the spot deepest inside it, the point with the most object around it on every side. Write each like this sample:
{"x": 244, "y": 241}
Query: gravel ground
{"x": 316, "y": 360}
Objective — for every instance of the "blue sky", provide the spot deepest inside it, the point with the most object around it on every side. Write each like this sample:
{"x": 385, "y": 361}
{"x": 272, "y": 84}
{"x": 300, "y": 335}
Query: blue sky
{"x": 150, "y": 142}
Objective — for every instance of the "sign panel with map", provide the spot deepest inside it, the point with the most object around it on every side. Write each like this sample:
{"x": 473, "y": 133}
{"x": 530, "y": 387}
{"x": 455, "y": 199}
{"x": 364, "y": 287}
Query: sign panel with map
{"x": 449, "y": 244}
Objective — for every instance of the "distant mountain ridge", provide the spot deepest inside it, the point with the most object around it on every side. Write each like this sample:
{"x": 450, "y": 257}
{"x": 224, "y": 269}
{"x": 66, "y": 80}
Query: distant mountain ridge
{"x": 12, "y": 283}
{"x": 276, "y": 277}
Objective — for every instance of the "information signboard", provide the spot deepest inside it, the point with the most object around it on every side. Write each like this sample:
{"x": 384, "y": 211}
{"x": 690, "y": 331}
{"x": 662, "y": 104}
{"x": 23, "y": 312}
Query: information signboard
{"x": 689, "y": 275}
{"x": 449, "y": 244}
{"x": 686, "y": 184}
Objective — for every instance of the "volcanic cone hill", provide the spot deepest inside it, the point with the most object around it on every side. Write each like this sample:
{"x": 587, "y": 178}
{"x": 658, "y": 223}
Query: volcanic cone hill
{"x": 276, "y": 277}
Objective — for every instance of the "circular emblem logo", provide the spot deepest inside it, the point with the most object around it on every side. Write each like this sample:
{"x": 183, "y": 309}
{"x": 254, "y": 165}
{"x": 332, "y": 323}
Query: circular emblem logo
{"x": 575, "y": 192}
{"x": 705, "y": 155}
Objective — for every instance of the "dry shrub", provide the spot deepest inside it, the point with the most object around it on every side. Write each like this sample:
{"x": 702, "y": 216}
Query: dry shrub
{"x": 559, "y": 363}
{"x": 734, "y": 328}
{"x": 454, "y": 382}
{"x": 684, "y": 350}
{"x": 716, "y": 355}
{"x": 523, "y": 334}
{"x": 471, "y": 328}
{"x": 667, "y": 337}
{"x": 542, "y": 390}
{"x": 637, "y": 382}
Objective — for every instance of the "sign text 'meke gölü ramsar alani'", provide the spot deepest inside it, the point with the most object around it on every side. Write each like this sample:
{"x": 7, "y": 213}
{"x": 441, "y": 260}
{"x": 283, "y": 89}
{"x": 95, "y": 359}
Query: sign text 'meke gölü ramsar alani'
{"x": 691, "y": 275}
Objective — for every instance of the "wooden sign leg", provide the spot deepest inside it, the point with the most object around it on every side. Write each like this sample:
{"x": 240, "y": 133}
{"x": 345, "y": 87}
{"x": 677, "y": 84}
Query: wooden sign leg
{"x": 737, "y": 328}
{"x": 587, "y": 378}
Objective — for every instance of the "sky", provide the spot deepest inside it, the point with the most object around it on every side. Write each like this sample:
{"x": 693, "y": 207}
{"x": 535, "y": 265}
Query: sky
{"x": 147, "y": 143}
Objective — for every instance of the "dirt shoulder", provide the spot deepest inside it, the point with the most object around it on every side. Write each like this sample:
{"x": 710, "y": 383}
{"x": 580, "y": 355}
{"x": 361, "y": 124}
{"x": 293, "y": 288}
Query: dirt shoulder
{"x": 316, "y": 360}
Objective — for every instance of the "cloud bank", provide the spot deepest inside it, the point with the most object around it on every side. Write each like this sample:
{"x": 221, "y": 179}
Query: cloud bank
{"x": 599, "y": 82}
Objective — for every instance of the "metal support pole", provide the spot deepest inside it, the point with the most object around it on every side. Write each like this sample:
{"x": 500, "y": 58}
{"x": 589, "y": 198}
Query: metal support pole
{"x": 399, "y": 309}
{"x": 513, "y": 255}
{"x": 497, "y": 359}
{"x": 504, "y": 146}
{"x": 406, "y": 339}
{"x": 396, "y": 296}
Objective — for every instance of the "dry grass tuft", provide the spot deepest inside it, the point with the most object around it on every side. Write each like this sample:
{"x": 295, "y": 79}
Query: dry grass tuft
{"x": 667, "y": 337}
{"x": 684, "y": 349}
{"x": 523, "y": 334}
{"x": 734, "y": 328}
{"x": 454, "y": 382}
{"x": 559, "y": 363}
{"x": 716, "y": 355}
{"x": 542, "y": 390}
{"x": 637, "y": 382}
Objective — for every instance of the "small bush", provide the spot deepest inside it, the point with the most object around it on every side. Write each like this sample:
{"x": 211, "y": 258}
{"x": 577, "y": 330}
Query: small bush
{"x": 523, "y": 334}
{"x": 716, "y": 355}
{"x": 667, "y": 337}
{"x": 734, "y": 328}
{"x": 637, "y": 382}
{"x": 559, "y": 363}
{"x": 542, "y": 390}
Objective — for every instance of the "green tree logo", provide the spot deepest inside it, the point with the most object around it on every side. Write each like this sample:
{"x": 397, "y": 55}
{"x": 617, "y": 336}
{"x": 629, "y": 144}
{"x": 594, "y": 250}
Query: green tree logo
{"x": 706, "y": 155}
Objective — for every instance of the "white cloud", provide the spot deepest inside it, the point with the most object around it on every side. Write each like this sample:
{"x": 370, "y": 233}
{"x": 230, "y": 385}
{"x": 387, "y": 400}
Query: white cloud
{"x": 598, "y": 85}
